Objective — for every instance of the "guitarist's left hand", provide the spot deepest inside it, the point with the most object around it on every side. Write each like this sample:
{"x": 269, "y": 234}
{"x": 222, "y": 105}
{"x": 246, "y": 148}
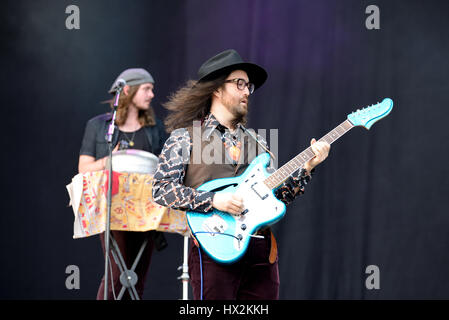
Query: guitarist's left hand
{"x": 321, "y": 150}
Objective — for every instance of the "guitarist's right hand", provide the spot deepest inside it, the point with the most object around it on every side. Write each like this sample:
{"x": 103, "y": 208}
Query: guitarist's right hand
{"x": 228, "y": 202}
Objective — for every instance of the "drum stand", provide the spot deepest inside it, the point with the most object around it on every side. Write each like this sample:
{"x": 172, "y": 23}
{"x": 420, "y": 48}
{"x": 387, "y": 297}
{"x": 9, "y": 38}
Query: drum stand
{"x": 128, "y": 278}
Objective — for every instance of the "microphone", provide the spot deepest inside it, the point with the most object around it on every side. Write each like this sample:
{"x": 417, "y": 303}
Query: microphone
{"x": 119, "y": 84}
{"x": 117, "y": 89}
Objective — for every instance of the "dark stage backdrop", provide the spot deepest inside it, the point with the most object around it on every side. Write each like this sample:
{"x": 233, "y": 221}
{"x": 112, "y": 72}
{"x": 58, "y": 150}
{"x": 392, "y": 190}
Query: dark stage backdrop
{"x": 380, "y": 199}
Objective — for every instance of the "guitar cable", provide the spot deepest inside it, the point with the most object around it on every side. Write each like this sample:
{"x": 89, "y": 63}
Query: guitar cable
{"x": 221, "y": 233}
{"x": 201, "y": 273}
{"x": 201, "y": 261}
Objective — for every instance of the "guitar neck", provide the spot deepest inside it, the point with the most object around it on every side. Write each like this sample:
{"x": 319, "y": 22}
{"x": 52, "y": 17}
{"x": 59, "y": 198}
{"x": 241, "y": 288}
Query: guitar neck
{"x": 283, "y": 173}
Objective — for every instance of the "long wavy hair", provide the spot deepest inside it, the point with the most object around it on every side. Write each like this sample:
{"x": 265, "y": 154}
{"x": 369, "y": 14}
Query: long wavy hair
{"x": 146, "y": 117}
{"x": 191, "y": 102}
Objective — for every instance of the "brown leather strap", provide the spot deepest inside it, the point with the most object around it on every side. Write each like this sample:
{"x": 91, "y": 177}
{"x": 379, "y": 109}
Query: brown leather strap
{"x": 194, "y": 239}
{"x": 273, "y": 249}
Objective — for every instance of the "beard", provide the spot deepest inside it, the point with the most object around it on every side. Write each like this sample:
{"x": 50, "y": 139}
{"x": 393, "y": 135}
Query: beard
{"x": 237, "y": 109}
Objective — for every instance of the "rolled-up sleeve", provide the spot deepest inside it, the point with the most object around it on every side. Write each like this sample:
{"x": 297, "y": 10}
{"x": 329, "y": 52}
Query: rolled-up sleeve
{"x": 88, "y": 145}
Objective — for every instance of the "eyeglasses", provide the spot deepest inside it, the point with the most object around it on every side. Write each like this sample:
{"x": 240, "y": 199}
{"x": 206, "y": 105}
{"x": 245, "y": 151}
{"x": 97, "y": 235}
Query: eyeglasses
{"x": 241, "y": 84}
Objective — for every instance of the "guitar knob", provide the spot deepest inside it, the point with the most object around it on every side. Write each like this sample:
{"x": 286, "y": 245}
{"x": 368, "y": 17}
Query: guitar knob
{"x": 240, "y": 237}
{"x": 243, "y": 226}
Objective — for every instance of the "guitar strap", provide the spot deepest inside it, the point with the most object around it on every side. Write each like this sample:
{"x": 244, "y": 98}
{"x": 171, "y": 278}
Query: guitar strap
{"x": 267, "y": 232}
{"x": 258, "y": 142}
{"x": 273, "y": 249}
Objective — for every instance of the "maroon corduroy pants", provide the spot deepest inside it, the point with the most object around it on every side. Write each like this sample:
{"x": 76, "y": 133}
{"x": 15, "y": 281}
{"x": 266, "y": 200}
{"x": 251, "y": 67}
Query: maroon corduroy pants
{"x": 253, "y": 277}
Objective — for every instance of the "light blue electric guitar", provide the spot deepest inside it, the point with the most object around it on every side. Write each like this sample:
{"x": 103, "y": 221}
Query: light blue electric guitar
{"x": 225, "y": 237}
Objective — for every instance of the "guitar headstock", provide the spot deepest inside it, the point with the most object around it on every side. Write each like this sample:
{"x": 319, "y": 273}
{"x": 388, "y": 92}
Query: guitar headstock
{"x": 366, "y": 117}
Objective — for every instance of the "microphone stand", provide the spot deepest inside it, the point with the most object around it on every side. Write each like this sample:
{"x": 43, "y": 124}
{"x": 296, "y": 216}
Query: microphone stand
{"x": 109, "y": 200}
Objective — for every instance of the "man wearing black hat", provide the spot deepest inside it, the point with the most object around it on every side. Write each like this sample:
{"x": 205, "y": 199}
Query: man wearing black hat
{"x": 138, "y": 128}
{"x": 216, "y": 106}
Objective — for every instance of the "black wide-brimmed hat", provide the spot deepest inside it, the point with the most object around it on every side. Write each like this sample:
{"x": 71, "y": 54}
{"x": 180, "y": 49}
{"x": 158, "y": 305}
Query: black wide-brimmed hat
{"x": 228, "y": 61}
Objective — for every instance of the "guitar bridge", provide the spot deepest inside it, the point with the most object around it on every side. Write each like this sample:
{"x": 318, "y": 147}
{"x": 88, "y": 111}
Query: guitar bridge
{"x": 215, "y": 225}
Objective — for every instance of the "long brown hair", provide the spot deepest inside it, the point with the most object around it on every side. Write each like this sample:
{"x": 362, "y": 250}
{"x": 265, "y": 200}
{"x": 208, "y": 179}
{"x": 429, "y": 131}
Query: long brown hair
{"x": 146, "y": 117}
{"x": 191, "y": 102}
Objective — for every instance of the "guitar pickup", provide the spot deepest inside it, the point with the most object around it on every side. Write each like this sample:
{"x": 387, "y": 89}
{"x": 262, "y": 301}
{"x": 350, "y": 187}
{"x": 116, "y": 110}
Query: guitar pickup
{"x": 258, "y": 190}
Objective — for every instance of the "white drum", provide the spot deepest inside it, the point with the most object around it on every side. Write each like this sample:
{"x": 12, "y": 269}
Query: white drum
{"x": 134, "y": 161}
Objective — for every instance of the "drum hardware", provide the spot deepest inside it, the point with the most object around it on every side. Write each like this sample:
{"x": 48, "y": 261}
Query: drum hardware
{"x": 130, "y": 161}
{"x": 135, "y": 161}
{"x": 184, "y": 277}
{"x": 128, "y": 278}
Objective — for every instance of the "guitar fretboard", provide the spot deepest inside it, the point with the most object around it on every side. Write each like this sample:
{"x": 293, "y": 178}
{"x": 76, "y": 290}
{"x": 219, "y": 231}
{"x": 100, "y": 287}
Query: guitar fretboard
{"x": 284, "y": 172}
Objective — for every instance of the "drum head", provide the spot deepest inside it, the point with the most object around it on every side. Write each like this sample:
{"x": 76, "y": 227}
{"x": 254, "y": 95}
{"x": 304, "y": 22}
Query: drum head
{"x": 134, "y": 161}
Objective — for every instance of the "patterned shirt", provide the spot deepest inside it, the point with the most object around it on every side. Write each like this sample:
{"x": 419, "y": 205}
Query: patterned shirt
{"x": 168, "y": 188}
